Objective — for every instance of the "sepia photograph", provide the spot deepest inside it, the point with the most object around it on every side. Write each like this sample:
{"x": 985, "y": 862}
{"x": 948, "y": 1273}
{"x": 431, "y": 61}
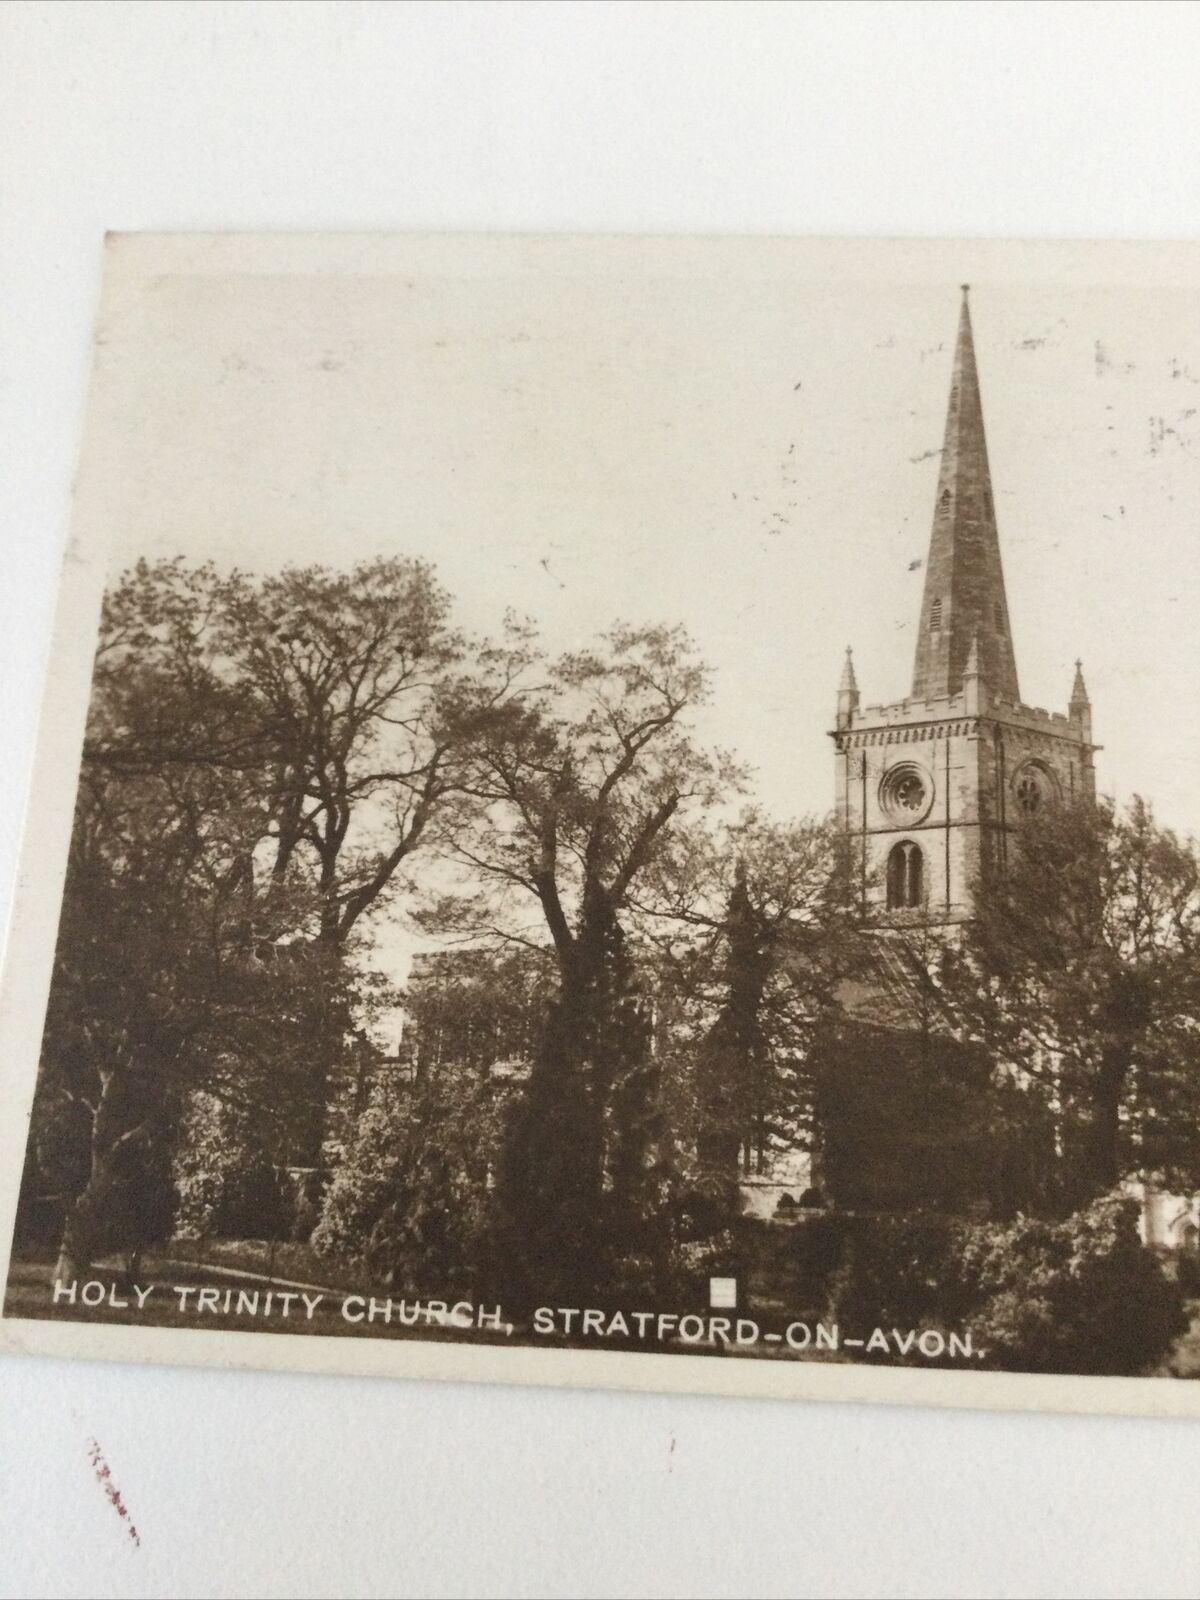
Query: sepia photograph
{"x": 627, "y": 807}
{"x": 599, "y": 823}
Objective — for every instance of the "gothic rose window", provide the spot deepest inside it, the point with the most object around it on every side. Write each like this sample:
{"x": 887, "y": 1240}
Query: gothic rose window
{"x": 906, "y": 793}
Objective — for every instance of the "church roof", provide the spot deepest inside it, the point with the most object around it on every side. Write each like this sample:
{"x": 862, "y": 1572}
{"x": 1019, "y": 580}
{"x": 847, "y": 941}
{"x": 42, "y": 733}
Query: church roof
{"x": 888, "y": 985}
{"x": 893, "y": 990}
{"x": 964, "y": 581}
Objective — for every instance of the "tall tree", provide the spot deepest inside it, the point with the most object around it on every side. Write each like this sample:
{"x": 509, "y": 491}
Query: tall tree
{"x": 575, "y": 793}
{"x": 261, "y": 758}
{"x": 1082, "y": 969}
{"x": 353, "y": 679}
{"x": 758, "y": 916}
{"x": 158, "y": 983}
{"x": 341, "y": 703}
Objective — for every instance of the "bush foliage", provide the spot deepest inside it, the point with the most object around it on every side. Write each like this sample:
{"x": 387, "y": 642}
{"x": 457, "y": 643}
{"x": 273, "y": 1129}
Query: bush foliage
{"x": 410, "y": 1198}
{"x": 1080, "y": 1295}
{"x": 226, "y": 1182}
{"x": 1083, "y": 1295}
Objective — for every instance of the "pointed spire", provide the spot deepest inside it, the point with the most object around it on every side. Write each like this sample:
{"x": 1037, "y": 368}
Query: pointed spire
{"x": 1080, "y": 707}
{"x": 847, "y": 699}
{"x": 1079, "y": 694}
{"x": 964, "y": 581}
{"x": 849, "y": 682}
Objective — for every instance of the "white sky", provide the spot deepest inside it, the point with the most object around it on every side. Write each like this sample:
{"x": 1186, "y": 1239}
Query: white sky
{"x": 737, "y": 434}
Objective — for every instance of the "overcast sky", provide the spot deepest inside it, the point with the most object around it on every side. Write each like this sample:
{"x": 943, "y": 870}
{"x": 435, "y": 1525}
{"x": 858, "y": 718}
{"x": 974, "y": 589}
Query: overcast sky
{"x": 741, "y": 435}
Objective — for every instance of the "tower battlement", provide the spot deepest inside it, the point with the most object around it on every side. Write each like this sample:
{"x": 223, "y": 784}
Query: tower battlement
{"x": 901, "y": 712}
{"x": 904, "y": 711}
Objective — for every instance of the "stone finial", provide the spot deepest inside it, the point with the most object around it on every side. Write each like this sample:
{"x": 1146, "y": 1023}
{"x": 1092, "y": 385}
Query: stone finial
{"x": 847, "y": 699}
{"x": 1079, "y": 694}
{"x": 849, "y": 681}
{"x": 1079, "y": 710}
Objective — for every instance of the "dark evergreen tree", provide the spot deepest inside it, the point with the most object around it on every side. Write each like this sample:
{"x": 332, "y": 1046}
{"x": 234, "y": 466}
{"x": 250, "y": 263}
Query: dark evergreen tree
{"x": 581, "y": 1199}
{"x": 640, "y": 1169}
{"x": 732, "y": 1060}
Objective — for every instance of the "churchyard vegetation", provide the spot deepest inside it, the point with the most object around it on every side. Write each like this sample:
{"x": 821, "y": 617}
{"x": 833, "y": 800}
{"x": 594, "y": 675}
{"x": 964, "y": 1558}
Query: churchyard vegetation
{"x": 463, "y": 962}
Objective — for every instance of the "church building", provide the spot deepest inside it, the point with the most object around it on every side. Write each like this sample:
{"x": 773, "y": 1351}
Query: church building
{"x": 931, "y": 786}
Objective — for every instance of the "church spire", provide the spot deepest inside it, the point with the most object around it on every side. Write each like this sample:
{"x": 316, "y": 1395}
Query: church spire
{"x": 964, "y": 582}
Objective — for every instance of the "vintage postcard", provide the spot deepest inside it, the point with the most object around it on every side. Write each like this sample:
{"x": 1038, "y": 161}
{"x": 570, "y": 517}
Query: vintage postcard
{"x": 621, "y": 811}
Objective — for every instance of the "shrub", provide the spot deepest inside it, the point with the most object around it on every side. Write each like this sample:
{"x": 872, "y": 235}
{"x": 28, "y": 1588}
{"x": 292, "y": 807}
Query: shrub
{"x": 818, "y": 1249}
{"x": 898, "y": 1272}
{"x": 358, "y": 1190}
{"x": 409, "y": 1199}
{"x": 698, "y": 1260}
{"x": 1187, "y": 1273}
{"x": 700, "y": 1208}
{"x": 226, "y": 1183}
{"x": 1082, "y": 1296}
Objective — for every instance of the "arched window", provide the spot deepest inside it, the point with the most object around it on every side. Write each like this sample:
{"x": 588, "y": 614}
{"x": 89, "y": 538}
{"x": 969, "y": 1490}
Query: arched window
{"x": 905, "y": 876}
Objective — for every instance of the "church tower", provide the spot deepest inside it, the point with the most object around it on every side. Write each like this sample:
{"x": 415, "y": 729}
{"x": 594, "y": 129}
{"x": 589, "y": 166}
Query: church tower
{"x": 931, "y": 787}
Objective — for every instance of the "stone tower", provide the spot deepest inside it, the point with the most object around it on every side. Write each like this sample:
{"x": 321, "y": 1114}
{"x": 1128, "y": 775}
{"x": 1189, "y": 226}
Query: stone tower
{"x": 931, "y": 787}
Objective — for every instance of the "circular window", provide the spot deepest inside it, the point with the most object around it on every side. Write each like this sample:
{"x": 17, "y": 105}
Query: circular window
{"x": 906, "y": 793}
{"x": 1033, "y": 788}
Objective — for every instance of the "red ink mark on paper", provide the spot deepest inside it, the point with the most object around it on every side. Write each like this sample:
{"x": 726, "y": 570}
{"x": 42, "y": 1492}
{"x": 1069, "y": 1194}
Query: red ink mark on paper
{"x": 104, "y": 1478}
